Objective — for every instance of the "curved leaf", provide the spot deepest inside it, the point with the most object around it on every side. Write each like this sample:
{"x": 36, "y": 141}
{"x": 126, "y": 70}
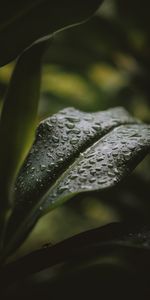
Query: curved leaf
{"x": 74, "y": 152}
{"x": 18, "y": 119}
{"x": 24, "y": 22}
{"x": 130, "y": 239}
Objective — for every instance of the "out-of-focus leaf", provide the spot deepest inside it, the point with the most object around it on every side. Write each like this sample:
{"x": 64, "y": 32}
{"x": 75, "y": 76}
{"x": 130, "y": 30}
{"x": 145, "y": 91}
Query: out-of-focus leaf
{"x": 129, "y": 240}
{"x": 134, "y": 13}
{"x": 74, "y": 152}
{"x": 24, "y": 22}
{"x": 18, "y": 118}
{"x": 100, "y": 37}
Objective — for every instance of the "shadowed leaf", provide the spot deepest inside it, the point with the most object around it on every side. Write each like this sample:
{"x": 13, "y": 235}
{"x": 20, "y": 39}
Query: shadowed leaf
{"x": 24, "y": 22}
{"x": 18, "y": 118}
{"x": 128, "y": 241}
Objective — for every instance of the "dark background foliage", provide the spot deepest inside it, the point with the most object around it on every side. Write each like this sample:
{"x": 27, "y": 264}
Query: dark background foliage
{"x": 101, "y": 64}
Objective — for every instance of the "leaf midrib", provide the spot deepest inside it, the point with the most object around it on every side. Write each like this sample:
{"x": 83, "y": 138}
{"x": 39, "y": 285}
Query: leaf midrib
{"x": 71, "y": 161}
{"x": 61, "y": 176}
{"x": 75, "y": 159}
{"x": 76, "y": 156}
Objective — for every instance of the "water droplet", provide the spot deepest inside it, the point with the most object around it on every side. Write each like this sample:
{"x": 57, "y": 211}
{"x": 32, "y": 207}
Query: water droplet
{"x": 115, "y": 180}
{"x": 100, "y": 158}
{"x": 115, "y": 154}
{"x": 131, "y": 147}
{"x": 73, "y": 119}
{"x": 83, "y": 179}
{"x": 98, "y": 123}
{"x": 70, "y": 125}
{"x": 93, "y": 172}
{"x": 63, "y": 188}
{"x": 32, "y": 169}
{"x": 93, "y": 179}
{"x": 88, "y": 118}
{"x": 123, "y": 142}
{"x": 86, "y": 131}
{"x": 73, "y": 176}
{"x": 55, "y": 139}
{"x": 28, "y": 164}
{"x": 80, "y": 171}
{"x": 76, "y": 131}
{"x": 110, "y": 174}
{"x": 86, "y": 187}
{"x": 60, "y": 154}
{"x": 116, "y": 171}
{"x": 65, "y": 138}
{"x": 39, "y": 135}
{"x": 87, "y": 166}
{"x": 49, "y": 155}
{"x": 60, "y": 125}
{"x": 60, "y": 160}
{"x": 53, "y": 120}
{"x": 96, "y": 128}
{"x": 110, "y": 165}
{"x": 136, "y": 134}
{"x": 42, "y": 167}
{"x": 73, "y": 141}
{"x": 102, "y": 181}
{"x": 98, "y": 168}
{"x": 115, "y": 147}
{"x": 48, "y": 124}
{"x": 92, "y": 161}
{"x": 127, "y": 154}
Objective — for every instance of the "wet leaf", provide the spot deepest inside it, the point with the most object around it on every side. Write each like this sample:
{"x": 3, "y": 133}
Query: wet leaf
{"x": 24, "y": 22}
{"x": 74, "y": 152}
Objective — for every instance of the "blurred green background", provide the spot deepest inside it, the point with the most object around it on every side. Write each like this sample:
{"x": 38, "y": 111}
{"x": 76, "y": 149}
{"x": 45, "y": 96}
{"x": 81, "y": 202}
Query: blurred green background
{"x": 101, "y": 64}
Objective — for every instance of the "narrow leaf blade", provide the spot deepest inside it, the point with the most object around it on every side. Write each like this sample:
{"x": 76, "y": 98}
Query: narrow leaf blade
{"x": 24, "y": 22}
{"x": 131, "y": 239}
{"x": 18, "y": 119}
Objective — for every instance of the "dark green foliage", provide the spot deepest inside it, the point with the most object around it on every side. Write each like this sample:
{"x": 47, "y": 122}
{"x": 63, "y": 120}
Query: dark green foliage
{"x": 86, "y": 156}
{"x": 23, "y": 22}
{"x": 18, "y": 120}
{"x": 94, "y": 257}
{"x": 74, "y": 152}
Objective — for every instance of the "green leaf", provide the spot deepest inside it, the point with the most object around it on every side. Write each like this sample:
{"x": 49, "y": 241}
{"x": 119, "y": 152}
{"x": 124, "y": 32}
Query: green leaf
{"x": 18, "y": 119}
{"x": 74, "y": 152}
{"x": 120, "y": 238}
{"x": 24, "y": 22}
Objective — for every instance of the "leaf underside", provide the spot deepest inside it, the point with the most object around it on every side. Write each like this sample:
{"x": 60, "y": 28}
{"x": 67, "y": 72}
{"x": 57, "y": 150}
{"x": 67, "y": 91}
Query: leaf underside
{"x": 24, "y": 22}
{"x": 119, "y": 238}
{"x": 74, "y": 152}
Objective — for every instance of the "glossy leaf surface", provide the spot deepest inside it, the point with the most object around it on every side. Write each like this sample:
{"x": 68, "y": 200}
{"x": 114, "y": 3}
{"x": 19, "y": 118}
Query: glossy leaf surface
{"x": 75, "y": 152}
